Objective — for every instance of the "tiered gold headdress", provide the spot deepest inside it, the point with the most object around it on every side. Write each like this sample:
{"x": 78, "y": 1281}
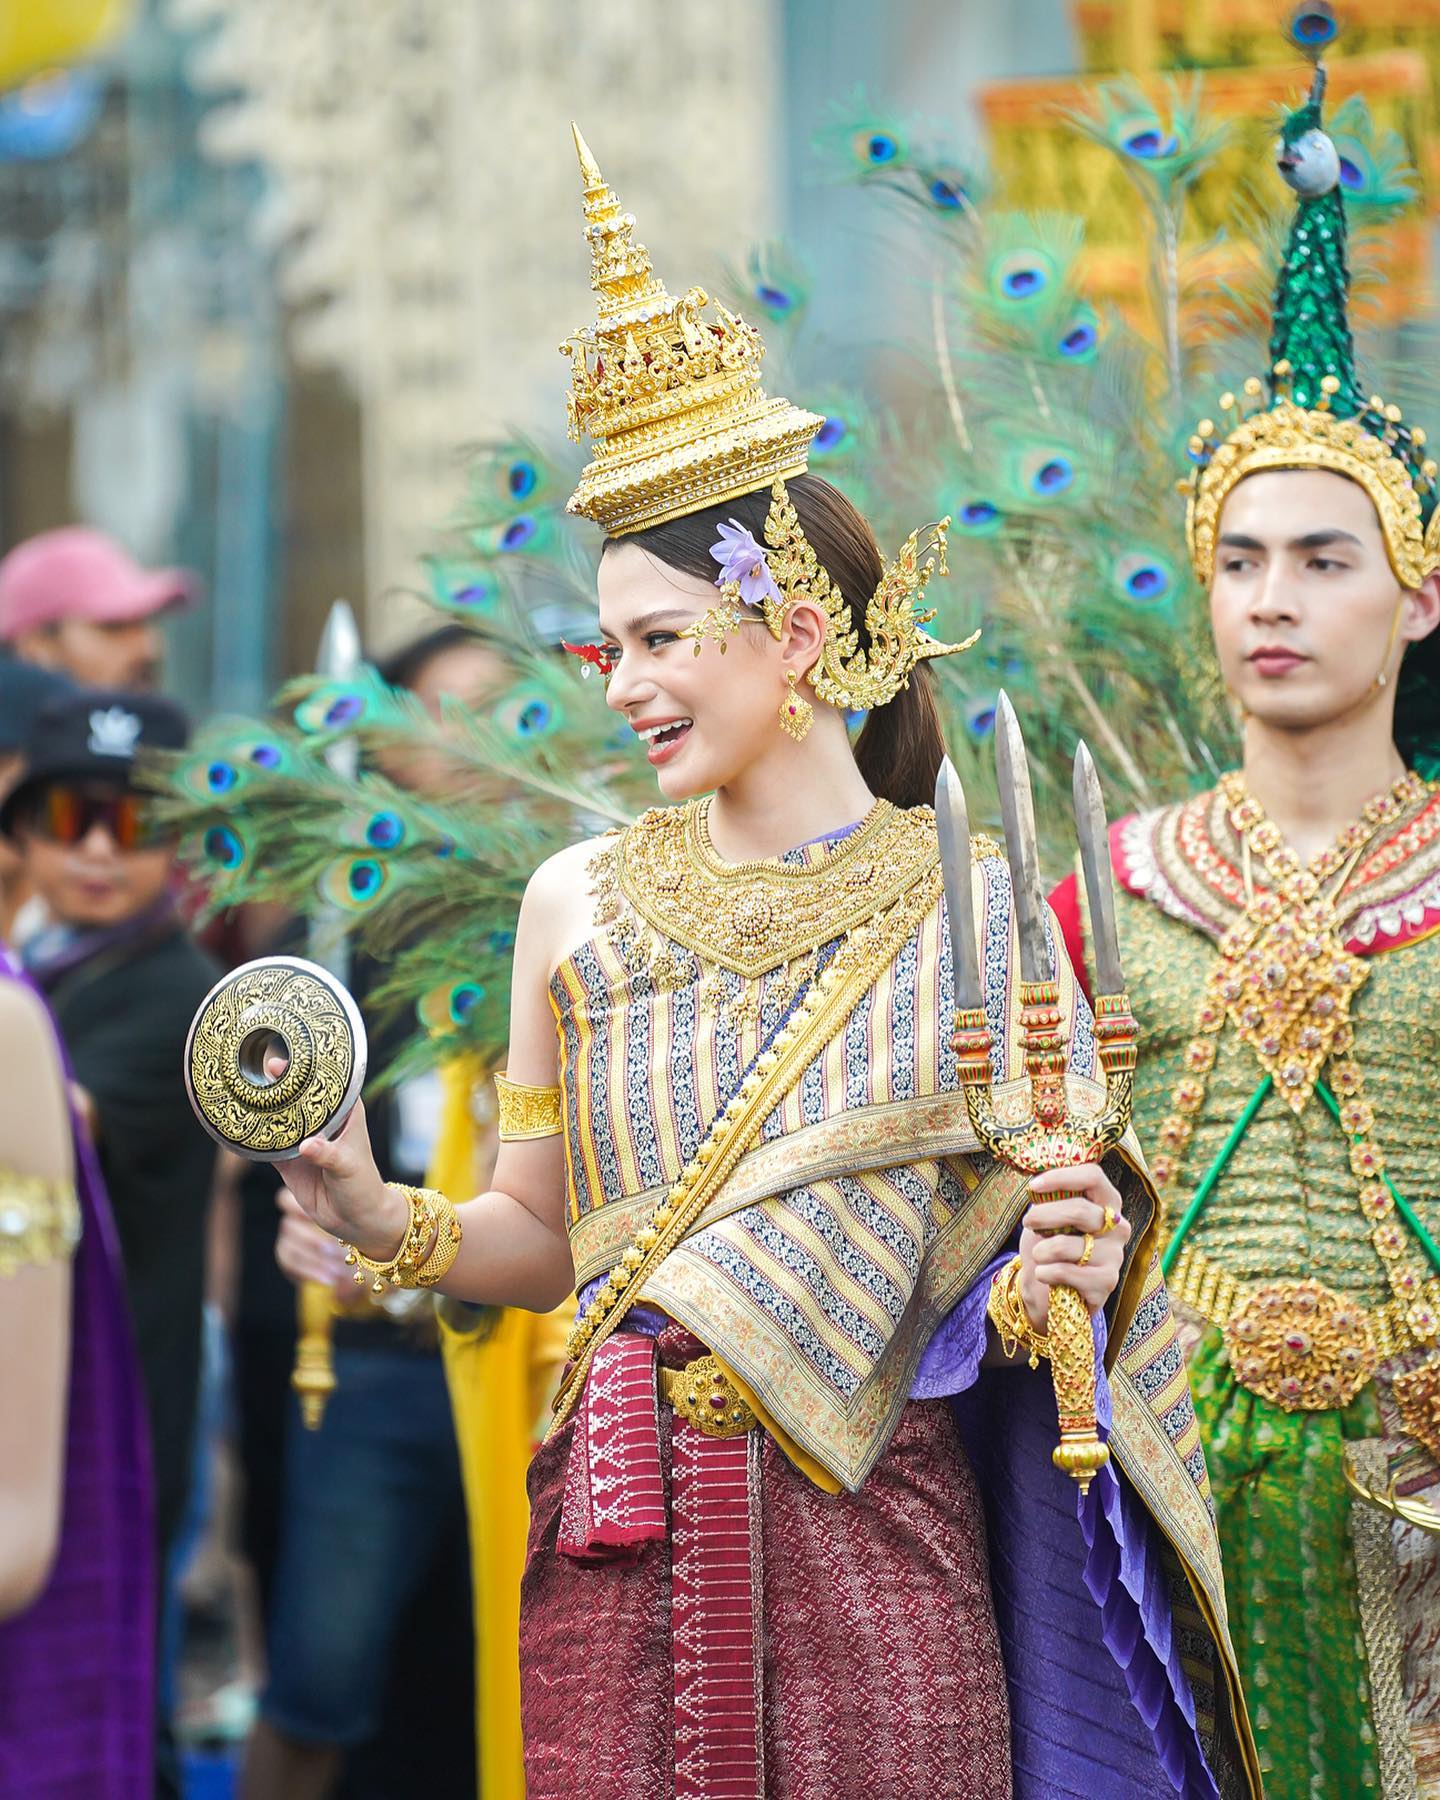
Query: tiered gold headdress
{"x": 678, "y": 421}
{"x": 671, "y": 400}
{"x": 1313, "y": 413}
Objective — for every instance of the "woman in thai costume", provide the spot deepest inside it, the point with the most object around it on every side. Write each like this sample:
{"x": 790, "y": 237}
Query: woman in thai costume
{"x": 766, "y": 1554}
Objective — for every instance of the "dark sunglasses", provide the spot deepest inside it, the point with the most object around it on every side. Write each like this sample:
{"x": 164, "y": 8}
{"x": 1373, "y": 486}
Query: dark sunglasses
{"x": 67, "y": 815}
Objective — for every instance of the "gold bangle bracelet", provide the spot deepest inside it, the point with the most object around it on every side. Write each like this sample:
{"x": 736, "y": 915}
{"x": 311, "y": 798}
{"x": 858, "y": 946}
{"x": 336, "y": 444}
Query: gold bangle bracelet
{"x": 527, "y": 1112}
{"x": 448, "y": 1232}
{"x": 415, "y": 1247}
{"x": 1010, "y": 1319}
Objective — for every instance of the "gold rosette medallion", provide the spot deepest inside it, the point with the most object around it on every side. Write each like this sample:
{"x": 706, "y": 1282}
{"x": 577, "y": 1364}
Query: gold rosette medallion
{"x": 278, "y": 1005}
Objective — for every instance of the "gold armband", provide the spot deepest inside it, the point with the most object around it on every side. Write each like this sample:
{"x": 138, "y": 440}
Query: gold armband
{"x": 39, "y": 1221}
{"x": 527, "y": 1112}
{"x": 1010, "y": 1319}
{"x": 430, "y": 1244}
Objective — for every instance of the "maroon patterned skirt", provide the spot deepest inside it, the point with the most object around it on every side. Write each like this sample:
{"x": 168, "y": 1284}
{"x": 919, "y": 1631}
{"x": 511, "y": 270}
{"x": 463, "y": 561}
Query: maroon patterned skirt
{"x": 882, "y": 1670}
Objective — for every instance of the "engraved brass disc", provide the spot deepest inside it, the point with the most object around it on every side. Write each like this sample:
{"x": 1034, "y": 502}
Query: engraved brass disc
{"x": 276, "y": 1004}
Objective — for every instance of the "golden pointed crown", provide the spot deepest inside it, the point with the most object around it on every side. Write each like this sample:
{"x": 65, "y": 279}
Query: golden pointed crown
{"x": 670, "y": 399}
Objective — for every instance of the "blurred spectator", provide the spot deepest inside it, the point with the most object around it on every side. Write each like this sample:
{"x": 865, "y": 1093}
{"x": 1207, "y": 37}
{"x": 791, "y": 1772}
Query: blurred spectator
{"x": 76, "y": 1556}
{"x": 73, "y": 600}
{"x": 124, "y": 981}
{"x": 378, "y": 1486}
{"x": 24, "y": 689}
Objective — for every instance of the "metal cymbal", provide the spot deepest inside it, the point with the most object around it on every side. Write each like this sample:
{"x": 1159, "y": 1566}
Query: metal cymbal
{"x": 285, "y": 1005}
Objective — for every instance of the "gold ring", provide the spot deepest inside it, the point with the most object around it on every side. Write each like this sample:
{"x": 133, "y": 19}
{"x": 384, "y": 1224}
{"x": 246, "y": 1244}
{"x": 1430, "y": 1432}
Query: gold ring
{"x": 1109, "y": 1225}
{"x": 1087, "y": 1252}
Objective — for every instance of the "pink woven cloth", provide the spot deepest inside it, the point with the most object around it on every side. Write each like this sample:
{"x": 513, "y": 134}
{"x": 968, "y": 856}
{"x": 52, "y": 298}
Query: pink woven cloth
{"x": 879, "y": 1663}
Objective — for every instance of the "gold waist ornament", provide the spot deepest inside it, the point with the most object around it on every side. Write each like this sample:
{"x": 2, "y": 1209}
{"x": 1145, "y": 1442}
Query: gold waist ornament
{"x": 704, "y": 1394}
{"x": 1300, "y": 1346}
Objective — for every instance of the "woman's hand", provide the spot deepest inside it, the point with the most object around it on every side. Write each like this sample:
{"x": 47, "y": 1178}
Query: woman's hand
{"x": 1047, "y": 1262}
{"x": 306, "y": 1253}
{"x": 335, "y": 1182}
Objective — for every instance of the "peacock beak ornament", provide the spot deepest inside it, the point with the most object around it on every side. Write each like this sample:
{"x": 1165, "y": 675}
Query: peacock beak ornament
{"x": 1311, "y": 411}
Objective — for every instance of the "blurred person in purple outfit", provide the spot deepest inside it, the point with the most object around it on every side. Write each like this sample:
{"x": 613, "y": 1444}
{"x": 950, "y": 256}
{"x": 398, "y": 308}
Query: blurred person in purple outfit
{"x": 76, "y": 1529}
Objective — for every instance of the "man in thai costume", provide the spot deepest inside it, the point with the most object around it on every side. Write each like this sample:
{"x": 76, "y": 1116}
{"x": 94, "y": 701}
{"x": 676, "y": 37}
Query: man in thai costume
{"x": 767, "y": 1555}
{"x": 1278, "y": 934}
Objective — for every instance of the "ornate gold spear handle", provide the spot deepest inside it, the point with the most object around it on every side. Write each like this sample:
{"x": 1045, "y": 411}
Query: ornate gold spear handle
{"x": 1052, "y": 1137}
{"x": 313, "y": 1376}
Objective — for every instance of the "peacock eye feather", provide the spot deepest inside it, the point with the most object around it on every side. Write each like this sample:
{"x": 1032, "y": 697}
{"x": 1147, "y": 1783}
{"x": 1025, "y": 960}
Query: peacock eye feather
{"x": 1143, "y": 578}
{"x": 1313, "y": 27}
{"x": 980, "y": 718}
{"x": 775, "y": 300}
{"x": 354, "y": 882}
{"x": 523, "y": 480}
{"x": 1023, "y": 282}
{"x": 518, "y": 533}
{"x": 1080, "y": 343}
{"x": 977, "y": 518}
{"x": 1150, "y": 144}
{"x": 224, "y": 847}
{"x": 221, "y": 777}
{"x": 832, "y": 434}
{"x": 385, "y": 831}
{"x": 947, "y": 194}
{"x": 1051, "y": 475}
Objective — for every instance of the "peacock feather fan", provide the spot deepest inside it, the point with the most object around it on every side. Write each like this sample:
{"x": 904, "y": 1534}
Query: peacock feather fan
{"x": 1049, "y": 439}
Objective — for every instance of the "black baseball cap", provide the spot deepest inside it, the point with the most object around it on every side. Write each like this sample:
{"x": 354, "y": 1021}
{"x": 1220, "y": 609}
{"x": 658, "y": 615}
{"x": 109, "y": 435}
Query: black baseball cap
{"x": 93, "y": 734}
{"x": 24, "y": 689}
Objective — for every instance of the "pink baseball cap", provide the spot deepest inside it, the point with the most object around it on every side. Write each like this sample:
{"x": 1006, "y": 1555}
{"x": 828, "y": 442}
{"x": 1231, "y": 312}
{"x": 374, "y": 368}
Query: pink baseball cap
{"x": 76, "y": 573}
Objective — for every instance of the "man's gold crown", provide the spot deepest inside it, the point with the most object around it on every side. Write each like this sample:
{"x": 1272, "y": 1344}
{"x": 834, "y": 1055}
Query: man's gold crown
{"x": 670, "y": 399}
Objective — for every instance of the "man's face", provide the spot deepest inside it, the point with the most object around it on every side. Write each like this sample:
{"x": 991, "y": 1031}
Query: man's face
{"x": 89, "y": 881}
{"x": 1304, "y": 601}
{"x": 123, "y": 654}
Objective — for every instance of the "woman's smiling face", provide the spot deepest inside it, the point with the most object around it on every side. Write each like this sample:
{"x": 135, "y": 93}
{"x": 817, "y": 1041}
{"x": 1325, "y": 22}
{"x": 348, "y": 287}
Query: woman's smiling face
{"x": 706, "y": 717}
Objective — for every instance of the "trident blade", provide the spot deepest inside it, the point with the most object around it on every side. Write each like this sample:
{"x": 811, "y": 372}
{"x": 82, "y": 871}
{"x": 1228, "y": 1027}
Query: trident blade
{"x": 1017, "y": 810}
{"x": 952, "y": 821}
{"x": 1094, "y": 835}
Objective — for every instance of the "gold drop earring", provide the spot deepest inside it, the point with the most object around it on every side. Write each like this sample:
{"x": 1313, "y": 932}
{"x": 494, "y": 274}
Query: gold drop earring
{"x": 796, "y": 713}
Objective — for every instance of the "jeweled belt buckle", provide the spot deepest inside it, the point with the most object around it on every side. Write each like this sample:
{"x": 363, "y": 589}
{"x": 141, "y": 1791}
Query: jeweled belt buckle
{"x": 1301, "y": 1346}
{"x": 704, "y": 1394}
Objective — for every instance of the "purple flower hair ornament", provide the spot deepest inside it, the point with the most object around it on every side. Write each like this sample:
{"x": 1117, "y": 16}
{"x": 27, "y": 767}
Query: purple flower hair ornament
{"x": 742, "y": 562}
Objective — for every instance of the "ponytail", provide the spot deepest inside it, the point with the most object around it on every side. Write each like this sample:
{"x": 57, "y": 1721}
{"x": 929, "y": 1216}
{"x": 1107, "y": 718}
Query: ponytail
{"x": 900, "y": 749}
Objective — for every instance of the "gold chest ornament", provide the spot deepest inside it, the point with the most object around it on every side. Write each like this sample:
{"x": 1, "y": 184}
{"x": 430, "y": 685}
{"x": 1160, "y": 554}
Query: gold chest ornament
{"x": 1285, "y": 981}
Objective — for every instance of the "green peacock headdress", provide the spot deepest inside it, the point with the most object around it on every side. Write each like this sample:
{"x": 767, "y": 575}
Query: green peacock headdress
{"x": 1312, "y": 412}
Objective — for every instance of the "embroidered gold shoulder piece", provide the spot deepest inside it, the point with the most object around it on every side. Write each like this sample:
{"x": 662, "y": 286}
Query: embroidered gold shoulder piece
{"x": 39, "y": 1221}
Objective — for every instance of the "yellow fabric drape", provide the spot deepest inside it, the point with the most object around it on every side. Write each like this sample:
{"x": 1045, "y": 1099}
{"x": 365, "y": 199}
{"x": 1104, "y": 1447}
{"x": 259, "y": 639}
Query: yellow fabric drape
{"x": 501, "y": 1382}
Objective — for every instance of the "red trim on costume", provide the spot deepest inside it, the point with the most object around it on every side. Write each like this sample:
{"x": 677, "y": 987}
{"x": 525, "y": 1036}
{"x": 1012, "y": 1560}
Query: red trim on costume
{"x": 1065, "y": 903}
{"x": 1408, "y": 934}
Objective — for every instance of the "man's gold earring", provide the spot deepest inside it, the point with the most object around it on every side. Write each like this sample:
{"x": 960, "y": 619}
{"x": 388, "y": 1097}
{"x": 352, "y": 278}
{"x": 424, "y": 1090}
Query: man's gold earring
{"x": 796, "y": 713}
